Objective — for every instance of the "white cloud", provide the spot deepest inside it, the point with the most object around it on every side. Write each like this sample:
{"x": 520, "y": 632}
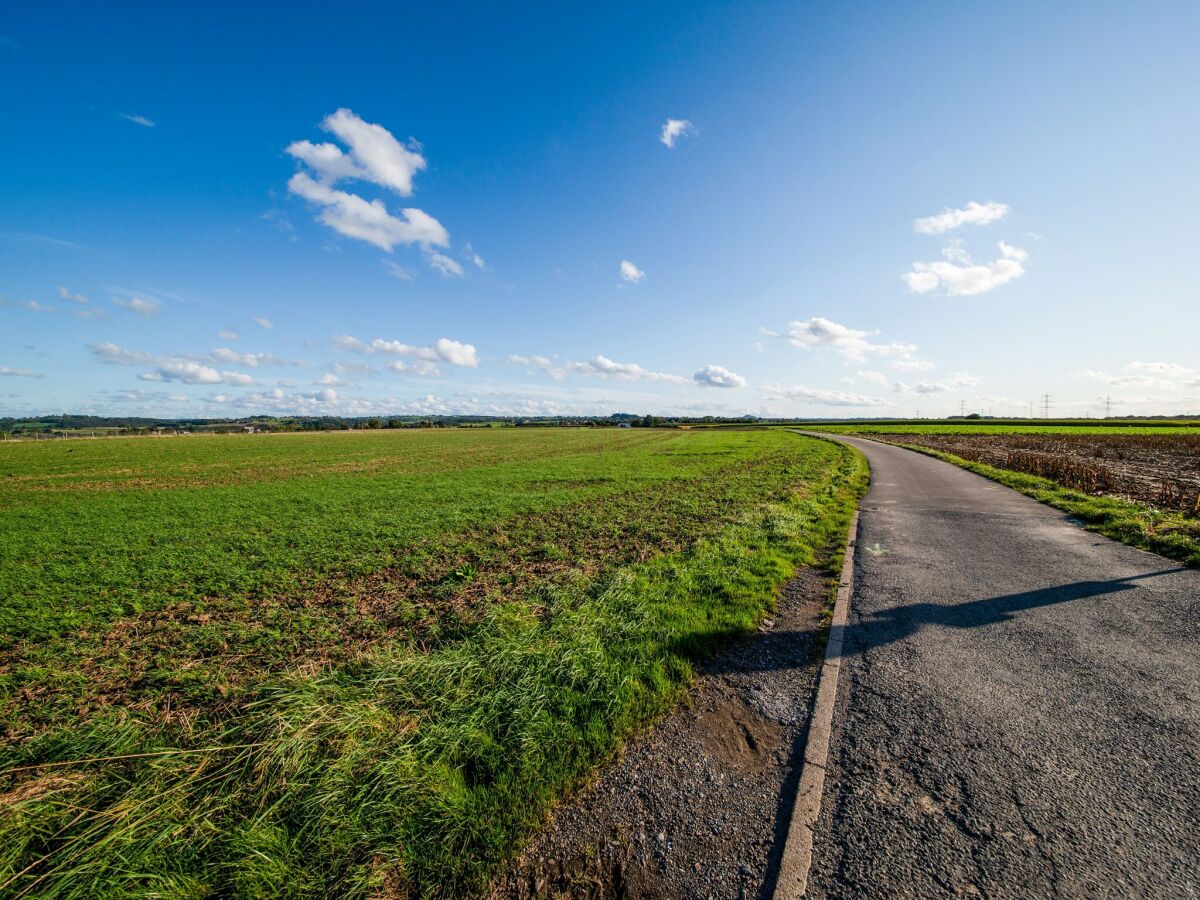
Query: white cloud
{"x": 7, "y": 372}
{"x": 444, "y": 265}
{"x": 264, "y": 323}
{"x": 143, "y": 307}
{"x": 963, "y": 278}
{"x": 137, "y": 120}
{"x": 852, "y": 345}
{"x": 116, "y": 356}
{"x": 719, "y": 377}
{"x": 674, "y": 129}
{"x": 375, "y": 154}
{"x": 329, "y": 380}
{"x": 253, "y": 360}
{"x": 1008, "y": 251}
{"x": 183, "y": 371}
{"x": 540, "y": 362}
{"x": 420, "y": 367}
{"x": 475, "y": 258}
{"x": 604, "y": 367}
{"x": 802, "y": 394}
{"x": 456, "y": 353}
{"x": 396, "y": 270}
{"x": 630, "y": 272}
{"x": 227, "y": 335}
{"x": 352, "y": 216}
{"x": 972, "y": 214}
{"x": 71, "y": 298}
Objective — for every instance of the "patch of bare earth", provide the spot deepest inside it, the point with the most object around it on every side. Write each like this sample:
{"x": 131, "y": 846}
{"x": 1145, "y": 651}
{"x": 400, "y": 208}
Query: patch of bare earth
{"x": 698, "y": 806}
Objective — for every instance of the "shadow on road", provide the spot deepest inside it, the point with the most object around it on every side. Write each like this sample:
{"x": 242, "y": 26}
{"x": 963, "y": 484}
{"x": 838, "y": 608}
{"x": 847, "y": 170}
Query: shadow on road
{"x": 777, "y": 649}
{"x": 900, "y": 622}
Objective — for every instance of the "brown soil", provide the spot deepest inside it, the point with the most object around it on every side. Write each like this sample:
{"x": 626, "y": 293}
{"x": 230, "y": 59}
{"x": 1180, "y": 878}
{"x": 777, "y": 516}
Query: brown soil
{"x": 699, "y": 805}
{"x": 1161, "y": 470}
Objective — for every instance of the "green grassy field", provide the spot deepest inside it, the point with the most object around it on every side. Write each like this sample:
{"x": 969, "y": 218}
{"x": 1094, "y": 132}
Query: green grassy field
{"x": 361, "y": 664}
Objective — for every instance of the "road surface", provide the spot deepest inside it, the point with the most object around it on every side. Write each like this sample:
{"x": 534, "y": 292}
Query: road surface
{"x": 1019, "y": 706}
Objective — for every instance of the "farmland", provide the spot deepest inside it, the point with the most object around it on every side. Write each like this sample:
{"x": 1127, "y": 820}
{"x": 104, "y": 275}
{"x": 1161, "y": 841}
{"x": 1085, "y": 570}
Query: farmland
{"x": 361, "y": 663}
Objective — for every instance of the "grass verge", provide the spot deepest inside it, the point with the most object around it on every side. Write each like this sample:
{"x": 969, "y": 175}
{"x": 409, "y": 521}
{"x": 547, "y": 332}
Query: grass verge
{"x": 1168, "y": 534}
{"x": 407, "y": 772}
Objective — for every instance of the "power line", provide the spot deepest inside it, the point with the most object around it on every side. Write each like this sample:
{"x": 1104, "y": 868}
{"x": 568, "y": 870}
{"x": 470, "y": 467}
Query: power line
{"x": 1046, "y": 406}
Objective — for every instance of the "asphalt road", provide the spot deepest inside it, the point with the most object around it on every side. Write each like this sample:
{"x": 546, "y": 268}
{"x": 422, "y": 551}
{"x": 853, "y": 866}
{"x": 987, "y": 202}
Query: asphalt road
{"x": 1019, "y": 706}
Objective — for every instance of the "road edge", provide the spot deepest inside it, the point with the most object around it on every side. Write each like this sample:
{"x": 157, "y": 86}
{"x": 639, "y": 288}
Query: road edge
{"x": 796, "y": 859}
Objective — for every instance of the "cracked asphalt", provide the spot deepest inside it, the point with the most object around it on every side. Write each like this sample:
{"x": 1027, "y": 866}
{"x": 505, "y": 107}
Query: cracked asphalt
{"x": 1019, "y": 705}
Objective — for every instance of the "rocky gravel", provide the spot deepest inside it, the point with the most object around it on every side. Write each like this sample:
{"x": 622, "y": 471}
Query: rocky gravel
{"x": 698, "y": 805}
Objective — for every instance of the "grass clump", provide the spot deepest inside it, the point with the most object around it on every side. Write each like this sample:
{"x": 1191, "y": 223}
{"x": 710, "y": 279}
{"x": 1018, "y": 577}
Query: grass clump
{"x": 416, "y": 768}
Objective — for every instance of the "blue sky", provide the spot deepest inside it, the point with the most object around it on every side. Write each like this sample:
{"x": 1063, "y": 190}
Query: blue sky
{"x": 866, "y": 209}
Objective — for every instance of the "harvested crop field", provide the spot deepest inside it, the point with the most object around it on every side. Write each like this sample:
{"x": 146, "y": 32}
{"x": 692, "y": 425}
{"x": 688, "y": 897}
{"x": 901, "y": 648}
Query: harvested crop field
{"x": 1159, "y": 470}
{"x": 362, "y": 663}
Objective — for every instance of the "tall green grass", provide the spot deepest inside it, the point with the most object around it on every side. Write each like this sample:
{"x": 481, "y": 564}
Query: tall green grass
{"x": 407, "y": 772}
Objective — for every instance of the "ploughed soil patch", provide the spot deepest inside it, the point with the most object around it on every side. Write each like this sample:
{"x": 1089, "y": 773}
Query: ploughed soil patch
{"x": 699, "y": 805}
{"x": 1161, "y": 470}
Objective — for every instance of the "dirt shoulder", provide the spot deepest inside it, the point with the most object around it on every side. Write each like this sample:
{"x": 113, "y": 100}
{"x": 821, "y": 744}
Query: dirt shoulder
{"x": 699, "y": 805}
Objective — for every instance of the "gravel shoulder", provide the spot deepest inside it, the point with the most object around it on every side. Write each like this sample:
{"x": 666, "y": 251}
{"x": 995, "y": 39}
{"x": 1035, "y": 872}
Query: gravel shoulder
{"x": 698, "y": 806}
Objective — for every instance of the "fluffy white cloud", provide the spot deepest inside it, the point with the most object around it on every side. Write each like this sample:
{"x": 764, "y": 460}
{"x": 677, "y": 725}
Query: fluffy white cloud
{"x": 140, "y": 305}
{"x": 475, "y": 258}
{"x": 262, "y": 322}
{"x": 374, "y": 155}
{"x": 71, "y": 298}
{"x": 7, "y": 372}
{"x": 184, "y": 371}
{"x": 849, "y": 343}
{"x": 674, "y": 129}
{"x": 445, "y": 266}
{"x": 972, "y": 214}
{"x": 456, "y": 353}
{"x": 630, "y": 272}
{"x": 604, "y": 367}
{"x": 802, "y": 394}
{"x": 719, "y": 377}
{"x": 370, "y": 221}
{"x": 872, "y": 377}
{"x": 962, "y": 277}
{"x": 227, "y": 335}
